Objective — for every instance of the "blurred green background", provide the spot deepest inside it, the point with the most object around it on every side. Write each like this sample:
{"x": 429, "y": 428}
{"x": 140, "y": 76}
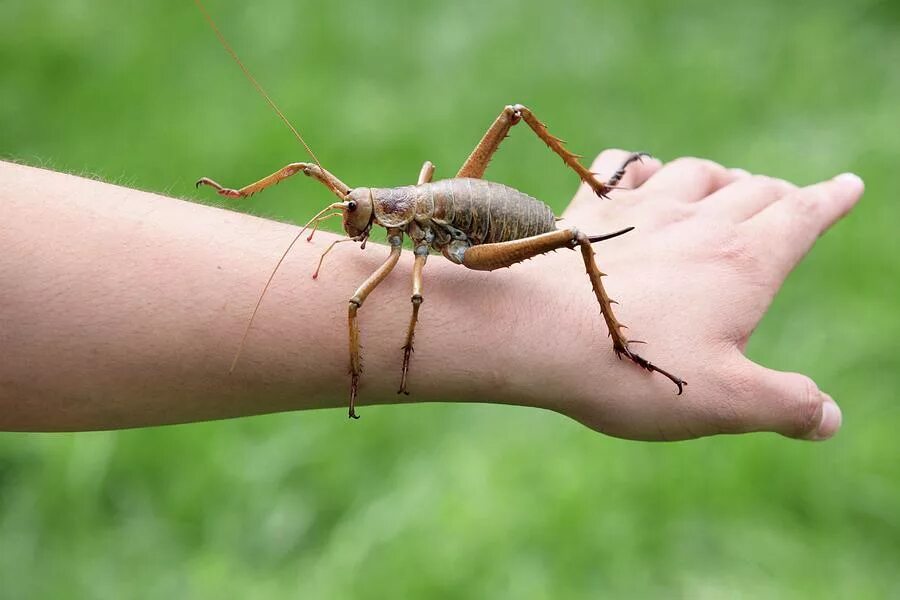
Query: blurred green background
{"x": 472, "y": 501}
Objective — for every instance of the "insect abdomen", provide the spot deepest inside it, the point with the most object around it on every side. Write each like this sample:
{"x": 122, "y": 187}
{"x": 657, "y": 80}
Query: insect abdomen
{"x": 489, "y": 212}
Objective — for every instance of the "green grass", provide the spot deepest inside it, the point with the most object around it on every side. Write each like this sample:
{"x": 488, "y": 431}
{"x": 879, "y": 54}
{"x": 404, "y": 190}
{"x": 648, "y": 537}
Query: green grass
{"x": 472, "y": 501}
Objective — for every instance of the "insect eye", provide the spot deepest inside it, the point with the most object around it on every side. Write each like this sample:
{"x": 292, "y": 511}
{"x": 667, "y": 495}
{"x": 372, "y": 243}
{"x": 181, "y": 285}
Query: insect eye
{"x": 351, "y": 206}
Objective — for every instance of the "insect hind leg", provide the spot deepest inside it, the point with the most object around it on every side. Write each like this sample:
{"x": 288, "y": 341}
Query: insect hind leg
{"x": 478, "y": 160}
{"x": 488, "y": 257}
{"x": 620, "y": 172}
{"x": 620, "y": 342}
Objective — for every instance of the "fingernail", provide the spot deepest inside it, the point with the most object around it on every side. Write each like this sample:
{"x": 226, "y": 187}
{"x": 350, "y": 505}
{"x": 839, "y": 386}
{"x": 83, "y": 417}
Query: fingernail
{"x": 850, "y": 178}
{"x": 831, "y": 420}
{"x": 737, "y": 172}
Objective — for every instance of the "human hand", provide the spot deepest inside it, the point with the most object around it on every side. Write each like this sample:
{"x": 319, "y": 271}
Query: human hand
{"x": 711, "y": 248}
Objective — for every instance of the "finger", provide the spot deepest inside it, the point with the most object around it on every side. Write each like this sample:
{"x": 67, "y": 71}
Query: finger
{"x": 787, "y": 403}
{"x": 745, "y": 197}
{"x": 690, "y": 179}
{"x": 800, "y": 217}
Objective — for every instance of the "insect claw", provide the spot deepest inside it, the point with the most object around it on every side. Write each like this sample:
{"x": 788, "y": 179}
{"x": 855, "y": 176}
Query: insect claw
{"x": 354, "y": 387}
{"x": 649, "y": 366}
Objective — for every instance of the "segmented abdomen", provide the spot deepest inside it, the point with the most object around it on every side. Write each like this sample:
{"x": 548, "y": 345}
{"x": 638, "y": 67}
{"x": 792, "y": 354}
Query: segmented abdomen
{"x": 488, "y": 212}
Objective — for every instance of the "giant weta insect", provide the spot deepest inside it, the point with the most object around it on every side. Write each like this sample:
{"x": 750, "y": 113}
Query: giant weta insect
{"x": 475, "y": 223}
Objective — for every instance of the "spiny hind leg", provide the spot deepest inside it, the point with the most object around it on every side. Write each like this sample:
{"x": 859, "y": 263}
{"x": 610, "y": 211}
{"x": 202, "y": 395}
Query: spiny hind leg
{"x": 620, "y": 172}
{"x": 416, "y": 299}
{"x": 338, "y": 187}
{"x": 487, "y": 257}
{"x": 478, "y": 160}
{"x": 395, "y": 238}
{"x": 620, "y": 342}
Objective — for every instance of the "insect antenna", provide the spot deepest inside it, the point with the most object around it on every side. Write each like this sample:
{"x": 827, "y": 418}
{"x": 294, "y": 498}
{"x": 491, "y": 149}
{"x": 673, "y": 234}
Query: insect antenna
{"x": 340, "y": 206}
{"x": 336, "y": 205}
{"x": 252, "y": 79}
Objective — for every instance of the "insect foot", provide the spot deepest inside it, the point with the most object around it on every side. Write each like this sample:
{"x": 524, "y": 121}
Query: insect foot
{"x": 407, "y": 353}
{"x": 620, "y": 172}
{"x": 354, "y": 391}
{"x": 227, "y": 192}
{"x": 622, "y": 350}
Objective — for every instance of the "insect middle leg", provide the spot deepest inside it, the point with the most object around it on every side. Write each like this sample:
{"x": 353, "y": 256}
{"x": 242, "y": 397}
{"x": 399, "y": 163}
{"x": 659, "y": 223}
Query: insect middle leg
{"x": 338, "y": 187}
{"x": 421, "y": 252}
{"x": 487, "y": 257}
{"x": 478, "y": 160}
{"x": 395, "y": 238}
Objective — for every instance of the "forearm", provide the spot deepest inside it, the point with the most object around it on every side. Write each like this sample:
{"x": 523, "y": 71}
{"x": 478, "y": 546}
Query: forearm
{"x": 123, "y": 308}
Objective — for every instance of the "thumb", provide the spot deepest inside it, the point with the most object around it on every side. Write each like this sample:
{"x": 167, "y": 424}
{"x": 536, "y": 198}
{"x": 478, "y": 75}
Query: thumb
{"x": 790, "y": 404}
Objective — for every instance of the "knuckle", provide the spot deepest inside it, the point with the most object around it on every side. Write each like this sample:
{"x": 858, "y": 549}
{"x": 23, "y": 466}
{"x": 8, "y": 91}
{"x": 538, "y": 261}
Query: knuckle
{"x": 702, "y": 166}
{"x": 767, "y": 183}
{"x": 738, "y": 254}
{"x": 675, "y": 213}
{"x": 808, "y": 409}
{"x": 809, "y": 201}
{"x": 731, "y": 413}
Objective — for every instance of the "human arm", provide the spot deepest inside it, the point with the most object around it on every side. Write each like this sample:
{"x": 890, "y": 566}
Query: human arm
{"x": 121, "y": 308}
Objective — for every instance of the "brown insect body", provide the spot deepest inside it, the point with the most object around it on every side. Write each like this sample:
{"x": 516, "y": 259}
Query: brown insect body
{"x": 452, "y": 215}
{"x": 478, "y": 224}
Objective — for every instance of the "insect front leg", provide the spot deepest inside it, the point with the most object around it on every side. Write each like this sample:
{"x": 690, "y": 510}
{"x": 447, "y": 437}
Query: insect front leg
{"x": 395, "y": 238}
{"x": 338, "y": 187}
{"x": 487, "y": 257}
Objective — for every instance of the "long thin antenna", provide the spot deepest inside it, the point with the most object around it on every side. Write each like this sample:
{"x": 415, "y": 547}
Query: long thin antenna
{"x": 271, "y": 277}
{"x": 255, "y": 83}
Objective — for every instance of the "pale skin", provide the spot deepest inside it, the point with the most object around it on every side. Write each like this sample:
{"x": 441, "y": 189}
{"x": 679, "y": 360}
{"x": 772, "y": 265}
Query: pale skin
{"x": 121, "y": 308}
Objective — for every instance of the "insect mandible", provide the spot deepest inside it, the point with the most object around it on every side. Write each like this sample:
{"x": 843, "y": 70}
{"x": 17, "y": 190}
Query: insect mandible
{"x": 479, "y": 224}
